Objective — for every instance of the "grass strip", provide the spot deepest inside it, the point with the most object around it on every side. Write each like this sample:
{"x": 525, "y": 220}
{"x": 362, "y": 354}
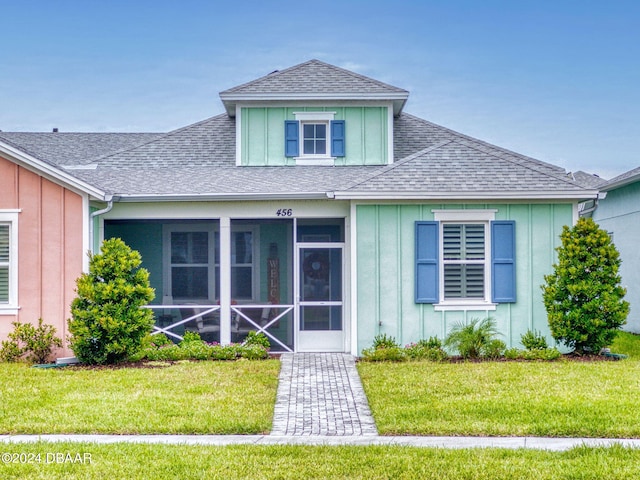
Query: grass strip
{"x": 120, "y": 461}
{"x": 183, "y": 398}
{"x": 563, "y": 399}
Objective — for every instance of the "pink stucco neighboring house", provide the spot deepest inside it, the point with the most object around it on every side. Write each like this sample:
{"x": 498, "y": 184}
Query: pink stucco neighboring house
{"x": 44, "y": 239}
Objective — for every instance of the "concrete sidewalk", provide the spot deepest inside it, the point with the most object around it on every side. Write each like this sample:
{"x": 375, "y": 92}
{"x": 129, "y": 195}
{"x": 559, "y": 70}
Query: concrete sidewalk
{"x": 552, "y": 444}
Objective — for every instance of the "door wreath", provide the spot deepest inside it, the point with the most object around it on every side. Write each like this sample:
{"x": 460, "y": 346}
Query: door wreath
{"x": 316, "y": 266}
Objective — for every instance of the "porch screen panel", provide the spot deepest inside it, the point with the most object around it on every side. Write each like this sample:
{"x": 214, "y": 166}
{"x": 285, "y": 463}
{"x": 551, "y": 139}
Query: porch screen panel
{"x": 464, "y": 260}
{"x": 189, "y": 264}
{"x": 242, "y": 265}
{"x": 4, "y": 263}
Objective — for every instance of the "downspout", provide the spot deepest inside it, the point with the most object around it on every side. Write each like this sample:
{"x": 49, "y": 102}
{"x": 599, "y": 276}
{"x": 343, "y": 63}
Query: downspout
{"x": 592, "y": 208}
{"x": 92, "y": 217}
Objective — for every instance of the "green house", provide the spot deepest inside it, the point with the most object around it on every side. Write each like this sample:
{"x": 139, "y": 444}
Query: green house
{"x": 316, "y": 210}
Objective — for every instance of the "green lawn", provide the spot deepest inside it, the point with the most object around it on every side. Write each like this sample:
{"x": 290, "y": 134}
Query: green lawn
{"x": 184, "y": 398}
{"x": 120, "y": 461}
{"x": 564, "y": 398}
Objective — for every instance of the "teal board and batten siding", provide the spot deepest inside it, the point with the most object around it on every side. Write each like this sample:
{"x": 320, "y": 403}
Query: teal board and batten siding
{"x": 262, "y": 134}
{"x": 385, "y": 271}
{"x": 146, "y": 238}
{"x": 619, "y": 214}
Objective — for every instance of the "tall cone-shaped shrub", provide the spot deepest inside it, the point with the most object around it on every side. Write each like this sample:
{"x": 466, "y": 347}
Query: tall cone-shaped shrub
{"x": 107, "y": 324}
{"x": 583, "y": 297}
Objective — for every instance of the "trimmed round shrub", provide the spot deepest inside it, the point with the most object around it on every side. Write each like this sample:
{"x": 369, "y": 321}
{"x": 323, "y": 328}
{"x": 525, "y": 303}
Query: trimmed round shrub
{"x": 583, "y": 296}
{"x": 108, "y": 324}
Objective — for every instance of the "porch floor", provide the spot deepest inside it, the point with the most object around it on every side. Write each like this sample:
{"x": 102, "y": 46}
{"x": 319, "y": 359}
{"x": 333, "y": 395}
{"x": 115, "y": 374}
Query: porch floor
{"x": 321, "y": 394}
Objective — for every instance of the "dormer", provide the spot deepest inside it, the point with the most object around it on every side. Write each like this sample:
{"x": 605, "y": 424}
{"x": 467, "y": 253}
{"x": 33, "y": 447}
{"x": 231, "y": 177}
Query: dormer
{"x": 314, "y": 114}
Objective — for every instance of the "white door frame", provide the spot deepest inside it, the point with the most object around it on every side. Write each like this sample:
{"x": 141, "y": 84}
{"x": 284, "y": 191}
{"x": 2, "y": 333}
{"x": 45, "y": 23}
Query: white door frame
{"x": 318, "y": 340}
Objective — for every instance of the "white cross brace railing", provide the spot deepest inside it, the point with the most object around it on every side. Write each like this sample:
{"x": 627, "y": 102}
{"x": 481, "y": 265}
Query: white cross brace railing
{"x": 207, "y": 309}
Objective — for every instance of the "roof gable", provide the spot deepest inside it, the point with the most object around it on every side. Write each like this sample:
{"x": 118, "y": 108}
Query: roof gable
{"x": 466, "y": 168}
{"x": 314, "y": 80}
{"x": 626, "y": 178}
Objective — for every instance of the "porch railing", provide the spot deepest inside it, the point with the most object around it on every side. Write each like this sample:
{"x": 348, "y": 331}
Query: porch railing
{"x": 237, "y": 315}
{"x": 263, "y": 328}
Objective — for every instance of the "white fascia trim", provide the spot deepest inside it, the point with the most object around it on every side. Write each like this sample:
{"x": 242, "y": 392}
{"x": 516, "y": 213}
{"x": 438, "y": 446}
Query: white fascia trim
{"x": 238, "y": 136}
{"x": 212, "y": 197}
{"x": 621, "y": 183}
{"x": 397, "y": 99}
{"x": 558, "y": 195}
{"x": 248, "y": 97}
{"x": 49, "y": 171}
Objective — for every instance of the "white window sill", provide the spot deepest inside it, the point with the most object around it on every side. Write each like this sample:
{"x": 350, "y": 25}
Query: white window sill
{"x": 9, "y": 310}
{"x": 315, "y": 161}
{"x": 463, "y": 306}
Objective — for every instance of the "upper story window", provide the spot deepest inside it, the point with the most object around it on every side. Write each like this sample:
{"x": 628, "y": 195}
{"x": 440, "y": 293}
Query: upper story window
{"x": 314, "y": 138}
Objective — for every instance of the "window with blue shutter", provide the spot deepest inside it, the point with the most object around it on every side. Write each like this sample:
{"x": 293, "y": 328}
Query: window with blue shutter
{"x": 463, "y": 258}
{"x": 314, "y": 138}
{"x": 503, "y": 261}
{"x": 427, "y": 234}
{"x": 337, "y": 138}
{"x": 291, "y": 138}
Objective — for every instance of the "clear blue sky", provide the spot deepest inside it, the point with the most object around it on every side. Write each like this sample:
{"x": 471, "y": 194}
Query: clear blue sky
{"x": 558, "y": 80}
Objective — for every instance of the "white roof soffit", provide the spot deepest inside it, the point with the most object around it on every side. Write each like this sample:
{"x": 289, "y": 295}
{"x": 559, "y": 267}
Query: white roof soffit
{"x": 230, "y": 99}
{"x": 219, "y": 197}
{"x": 506, "y": 195}
{"x": 50, "y": 172}
{"x": 621, "y": 183}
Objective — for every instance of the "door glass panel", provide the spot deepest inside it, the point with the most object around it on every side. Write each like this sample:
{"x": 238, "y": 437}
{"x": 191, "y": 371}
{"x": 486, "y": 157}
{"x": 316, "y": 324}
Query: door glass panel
{"x": 321, "y": 275}
{"x": 321, "y": 317}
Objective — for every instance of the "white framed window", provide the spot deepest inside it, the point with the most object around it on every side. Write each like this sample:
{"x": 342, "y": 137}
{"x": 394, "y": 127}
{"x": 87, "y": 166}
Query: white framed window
{"x": 314, "y": 138}
{"x": 9, "y": 262}
{"x": 191, "y": 257}
{"x": 464, "y": 261}
{"x": 245, "y": 275}
{"x": 188, "y": 257}
{"x": 464, "y": 258}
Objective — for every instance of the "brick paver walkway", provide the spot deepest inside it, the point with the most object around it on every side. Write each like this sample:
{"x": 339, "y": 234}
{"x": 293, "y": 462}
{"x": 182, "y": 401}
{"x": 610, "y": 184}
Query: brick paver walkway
{"x": 321, "y": 394}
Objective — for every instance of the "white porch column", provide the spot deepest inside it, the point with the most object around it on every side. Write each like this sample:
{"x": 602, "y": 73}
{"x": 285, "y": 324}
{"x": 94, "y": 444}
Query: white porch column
{"x": 225, "y": 280}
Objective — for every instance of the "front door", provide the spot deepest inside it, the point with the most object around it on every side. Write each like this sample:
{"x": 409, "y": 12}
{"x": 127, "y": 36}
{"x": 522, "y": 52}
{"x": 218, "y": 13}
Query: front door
{"x": 320, "y": 322}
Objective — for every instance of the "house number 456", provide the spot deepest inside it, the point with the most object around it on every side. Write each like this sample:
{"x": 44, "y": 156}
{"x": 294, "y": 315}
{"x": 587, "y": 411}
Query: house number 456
{"x": 284, "y": 212}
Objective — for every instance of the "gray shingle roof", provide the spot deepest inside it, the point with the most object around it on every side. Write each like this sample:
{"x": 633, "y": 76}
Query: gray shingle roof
{"x": 314, "y": 80}
{"x": 314, "y": 77}
{"x": 588, "y": 180}
{"x": 621, "y": 180}
{"x": 460, "y": 166}
{"x": 73, "y": 148}
{"x": 199, "y": 159}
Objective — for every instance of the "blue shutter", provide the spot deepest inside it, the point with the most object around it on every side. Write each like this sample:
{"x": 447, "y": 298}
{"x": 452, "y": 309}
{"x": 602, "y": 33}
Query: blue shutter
{"x": 337, "y": 138}
{"x": 427, "y": 262}
{"x": 503, "y": 261}
{"x": 291, "y": 141}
